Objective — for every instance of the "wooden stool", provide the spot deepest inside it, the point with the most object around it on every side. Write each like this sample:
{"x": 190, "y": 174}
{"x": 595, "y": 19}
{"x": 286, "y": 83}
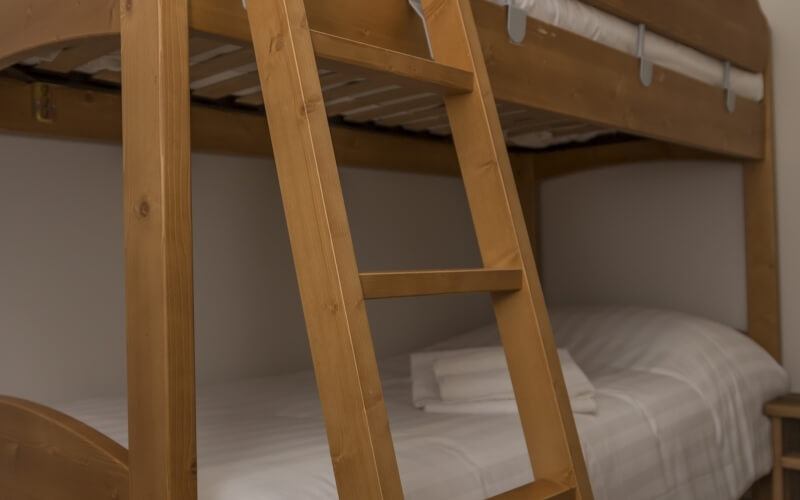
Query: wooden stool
{"x": 785, "y": 414}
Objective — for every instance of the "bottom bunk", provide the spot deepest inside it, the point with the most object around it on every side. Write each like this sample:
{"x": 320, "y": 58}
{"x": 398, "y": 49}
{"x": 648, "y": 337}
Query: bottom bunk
{"x": 678, "y": 416}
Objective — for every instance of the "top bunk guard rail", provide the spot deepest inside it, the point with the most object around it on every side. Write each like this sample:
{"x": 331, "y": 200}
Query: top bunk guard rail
{"x": 552, "y": 70}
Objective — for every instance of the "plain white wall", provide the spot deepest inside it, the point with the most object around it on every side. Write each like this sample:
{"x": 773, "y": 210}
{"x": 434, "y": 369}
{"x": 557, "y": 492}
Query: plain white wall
{"x": 784, "y": 16}
{"x": 661, "y": 234}
{"x": 61, "y": 266}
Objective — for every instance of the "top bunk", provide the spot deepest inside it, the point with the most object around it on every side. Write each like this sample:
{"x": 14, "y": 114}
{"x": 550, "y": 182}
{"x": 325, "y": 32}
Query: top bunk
{"x": 572, "y": 74}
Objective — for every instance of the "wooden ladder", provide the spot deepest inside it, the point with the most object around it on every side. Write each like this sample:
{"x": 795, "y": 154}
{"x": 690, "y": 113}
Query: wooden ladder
{"x": 332, "y": 289}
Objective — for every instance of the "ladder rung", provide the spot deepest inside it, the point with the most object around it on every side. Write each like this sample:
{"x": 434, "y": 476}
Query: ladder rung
{"x": 407, "y": 70}
{"x": 415, "y": 283}
{"x": 541, "y": 489}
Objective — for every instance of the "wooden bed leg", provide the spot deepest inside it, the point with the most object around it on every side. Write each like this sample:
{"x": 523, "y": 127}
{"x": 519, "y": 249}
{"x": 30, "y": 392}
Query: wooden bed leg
{"x": 336, "y": 319}
{"x": 158, "y": 249}
{"x": 761, "y": 241}
{"x": 528, "y": 190}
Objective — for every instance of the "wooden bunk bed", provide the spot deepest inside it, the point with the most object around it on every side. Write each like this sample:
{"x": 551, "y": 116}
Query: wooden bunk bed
{"x": 373, "y": 57}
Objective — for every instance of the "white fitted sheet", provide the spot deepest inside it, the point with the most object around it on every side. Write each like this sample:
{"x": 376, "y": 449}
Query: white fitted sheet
{"x": 679, "y": 417}
{"x": 595, "y": 24}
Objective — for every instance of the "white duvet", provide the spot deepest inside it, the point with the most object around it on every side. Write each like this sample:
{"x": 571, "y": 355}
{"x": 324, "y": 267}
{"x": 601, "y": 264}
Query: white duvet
{"x": 679, "y": 417}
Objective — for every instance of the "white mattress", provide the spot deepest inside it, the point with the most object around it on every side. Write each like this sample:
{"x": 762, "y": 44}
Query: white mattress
{"x": 595, "y": 24}
{"x": 679, "y": 418}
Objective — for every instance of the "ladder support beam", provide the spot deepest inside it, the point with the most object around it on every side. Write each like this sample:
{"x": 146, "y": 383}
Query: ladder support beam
{"x": 548, "y": 425}
{"x": 417, "y": 283}
{"x": 346, "y": 370}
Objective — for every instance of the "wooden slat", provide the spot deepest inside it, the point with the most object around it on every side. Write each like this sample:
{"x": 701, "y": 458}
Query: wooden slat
{"x": 541, "y": 489}
{"x": 791, "y": 461}
{"x": 199, "y": 45}
{"x": 108, "y": 76}
{"x": 74, "y": 57}
{"x": 355, "y": 103}
{"x": 381, "y": 285}
{"x": 219, "y": 64}
{"x": 733, "y": 31}
{"x": 547, "y": 422}
{"x": 421, "y": 101}
{"x": 761, "y": 239}
{"x": 46, "y": 455}
{"x": 252, "y": 99}
{"x": 158, "y": 250}
{"x": 228, "y": 87}
{"x": 346, "y": 370}
{"x": 90, "y": 115}
{"x": 413, "y": 116}
{"x": 352, "y": 89}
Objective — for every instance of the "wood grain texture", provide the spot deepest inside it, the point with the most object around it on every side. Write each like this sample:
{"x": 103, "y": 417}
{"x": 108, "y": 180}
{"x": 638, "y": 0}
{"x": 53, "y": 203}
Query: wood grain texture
{"x": 158, "y": 250}
{"x": 381, "y": 285}
{"x": 570, "y": 75}
{"x": 89, "y": 115}
{"x": 346, "y": 370}
{"x": 413, "y": 72}
{"x": 32, "y": 27}
{"x": 735, "y": 31}
{"x": 46, "y": 455}
{"x": 761, "y": 239}
{"x": 548, "y": 425}
{"x": 538, "y": 490}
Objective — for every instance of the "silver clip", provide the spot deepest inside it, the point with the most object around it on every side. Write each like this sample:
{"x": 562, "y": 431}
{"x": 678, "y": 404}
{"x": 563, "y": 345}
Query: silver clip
{"x": 645, "y": 66}
{"x": 417, "y": 6}
{"x": 244, "y": 4}
{"x": 730, "y": 95}
{"x": 517, "y": 23}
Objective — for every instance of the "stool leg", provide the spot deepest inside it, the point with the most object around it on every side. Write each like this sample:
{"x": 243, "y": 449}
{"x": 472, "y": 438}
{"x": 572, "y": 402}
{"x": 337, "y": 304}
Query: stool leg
{"x": 777, "y": 453}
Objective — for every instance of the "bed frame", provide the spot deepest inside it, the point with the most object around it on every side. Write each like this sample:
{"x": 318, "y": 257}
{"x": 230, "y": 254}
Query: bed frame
{"x": 553, "y": 80}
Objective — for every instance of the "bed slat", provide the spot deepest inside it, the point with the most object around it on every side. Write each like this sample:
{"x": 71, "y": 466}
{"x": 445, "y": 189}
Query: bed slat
{"x": 77, "y": 56}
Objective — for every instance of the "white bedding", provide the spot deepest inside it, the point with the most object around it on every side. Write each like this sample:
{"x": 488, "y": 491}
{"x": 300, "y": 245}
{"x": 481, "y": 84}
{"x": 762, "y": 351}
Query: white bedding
{"x": 679, "y": 417}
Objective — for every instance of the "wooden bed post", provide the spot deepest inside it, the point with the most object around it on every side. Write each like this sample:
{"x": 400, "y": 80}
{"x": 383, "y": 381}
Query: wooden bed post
{"x": 528, "y": 190}
{"x": 761, "y": 240}
{"x": 158, "y": 249}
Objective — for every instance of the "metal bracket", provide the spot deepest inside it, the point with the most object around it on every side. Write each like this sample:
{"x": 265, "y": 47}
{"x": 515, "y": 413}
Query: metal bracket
{"x": 44, "y": 106}
{"x": 730, "y": 95}
{"x": 645, "y": 65}
{"x": 517, "y": 23}
{"x": 417, "y": 6}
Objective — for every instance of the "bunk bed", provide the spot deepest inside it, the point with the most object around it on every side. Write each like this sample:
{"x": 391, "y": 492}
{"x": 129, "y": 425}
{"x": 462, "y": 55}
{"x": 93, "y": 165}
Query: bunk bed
{"x": 387, "y": 84}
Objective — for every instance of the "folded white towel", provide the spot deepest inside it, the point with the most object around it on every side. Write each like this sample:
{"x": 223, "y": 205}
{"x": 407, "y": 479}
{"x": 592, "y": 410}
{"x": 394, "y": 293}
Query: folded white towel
{"x": 424, "y": 387}
{"x": 461, "y": 362}
{"x": 451, "y": 381}
{"x": 476, "y": 386}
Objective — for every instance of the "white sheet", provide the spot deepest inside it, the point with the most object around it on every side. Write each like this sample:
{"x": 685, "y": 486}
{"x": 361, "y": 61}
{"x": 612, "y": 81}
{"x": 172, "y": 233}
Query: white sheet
{"x": 595, "y": 24}
{"x": 679, "y": 417}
